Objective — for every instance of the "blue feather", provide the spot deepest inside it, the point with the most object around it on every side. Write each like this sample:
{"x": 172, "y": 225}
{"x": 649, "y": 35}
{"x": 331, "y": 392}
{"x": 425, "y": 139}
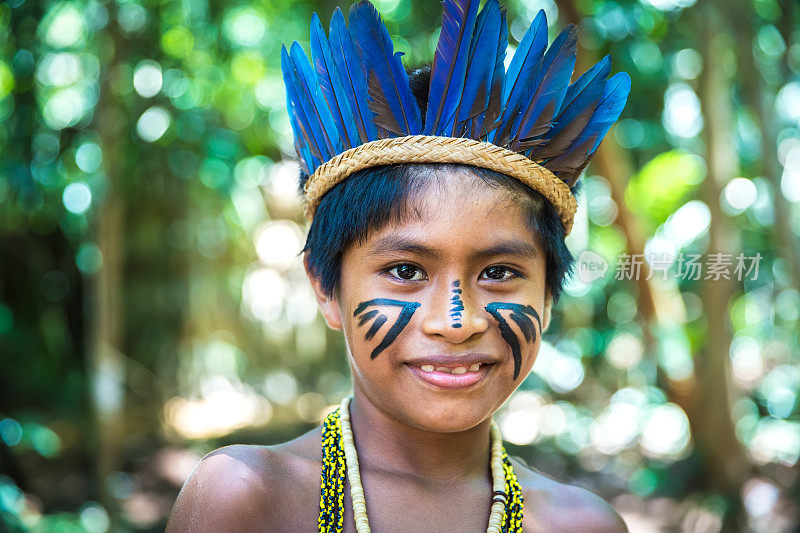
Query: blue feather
{"x": 482, "y": 66}
{"x": 301, "y": 125}
{"x": 353, "y": 76}
{"x": 307, "y": 162}
{"x": 589, "y": 81}
{"x": 331, "y": 85}
{"x": 314, "y": 105}
{"x": 548, "y": 89}
{"x": 450, "y": 66}
{"x": 488, "y": 122}
{"x": 527, "y": 59}
{"x": 391, "y": 100}
{"x": 300, "y": 144}
{"x": 576, "y": 111}
{"x": 527, "y": 55}
{"x": 615, "y": 94}
{"x": 358, "y": 91}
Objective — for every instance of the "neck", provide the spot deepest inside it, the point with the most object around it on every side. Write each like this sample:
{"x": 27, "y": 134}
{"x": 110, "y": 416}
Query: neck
{"x": 390, "y": 445}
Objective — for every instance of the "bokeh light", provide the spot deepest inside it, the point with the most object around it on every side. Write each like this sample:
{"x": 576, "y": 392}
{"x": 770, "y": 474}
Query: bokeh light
{"x": 665, "y": 432}
{"x": 244, "y": 26}
{"x": 77, "y": 197}
{"x": 738, "y": 195}
{"x": 279, "y": 243}
{"x": 88, "y": 157}
{"x": 263, "y": 293}
{"x": 153, "y": 123}
{"x": 132, "y": 17}
{"x": 222, "y": 409}
{"x": 67, "y": 106}
{"x": 682, "y": 116}
{"x": 6, "y": 80}
{"x": 64, "y": 26}
{"x": 147, "y": 78}
{"x": 687, "y": 223}
{"x": 89, "y": 259}
{"x": 519, "y": 423}
{"x": 670, "y": 5}
{"x": 688, "y": 63}
{"x": 625, "y": 350}
{"x": 562, "y": 371}
{"x": 281, "y": 387}
{"x": 59, "y": 69}
{"x": 10, "y": 431}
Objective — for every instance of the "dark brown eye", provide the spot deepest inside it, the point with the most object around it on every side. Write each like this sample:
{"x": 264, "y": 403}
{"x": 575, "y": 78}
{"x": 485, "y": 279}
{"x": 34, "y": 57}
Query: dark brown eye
{"x": 407, "y": 272}
{"x": 498, "y": 273}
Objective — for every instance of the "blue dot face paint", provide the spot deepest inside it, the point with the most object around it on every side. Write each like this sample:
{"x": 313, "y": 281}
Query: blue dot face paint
{"x": 456, "y": 304}
{"x": 520, "y": 316}
{"x": 379, "y": 319}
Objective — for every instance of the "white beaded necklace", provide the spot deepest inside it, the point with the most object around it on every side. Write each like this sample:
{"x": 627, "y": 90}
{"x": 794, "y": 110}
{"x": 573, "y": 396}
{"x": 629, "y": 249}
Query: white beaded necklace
{"x": 357, "y": 490}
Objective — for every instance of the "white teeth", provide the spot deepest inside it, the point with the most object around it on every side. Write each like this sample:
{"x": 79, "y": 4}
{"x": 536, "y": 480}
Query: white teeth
{"x": 457, "y": 370}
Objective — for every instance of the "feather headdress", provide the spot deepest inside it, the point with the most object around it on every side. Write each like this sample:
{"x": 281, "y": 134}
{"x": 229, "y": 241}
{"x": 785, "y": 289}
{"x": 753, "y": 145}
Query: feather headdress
{"x": 354, "y": 107}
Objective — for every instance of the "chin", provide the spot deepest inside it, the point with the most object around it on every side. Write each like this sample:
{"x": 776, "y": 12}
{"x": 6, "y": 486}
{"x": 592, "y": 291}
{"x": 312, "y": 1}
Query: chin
{"x": 446, "y": 414}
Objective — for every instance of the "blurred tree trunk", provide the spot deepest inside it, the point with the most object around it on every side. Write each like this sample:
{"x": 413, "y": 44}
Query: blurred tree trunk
{"x": 725, "y": 460}
{"x": 762, "y": 102}
{"x": 707, "y": 399}
{"x": 107, "y": 363}
{"x": 655, "y": 302}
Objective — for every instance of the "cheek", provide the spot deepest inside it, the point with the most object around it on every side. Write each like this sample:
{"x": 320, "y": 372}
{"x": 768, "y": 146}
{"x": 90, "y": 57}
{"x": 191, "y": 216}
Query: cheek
{"x": 531, "y": 355}
{"x": 358, "y": 348}
{"x": 378, "y": 326}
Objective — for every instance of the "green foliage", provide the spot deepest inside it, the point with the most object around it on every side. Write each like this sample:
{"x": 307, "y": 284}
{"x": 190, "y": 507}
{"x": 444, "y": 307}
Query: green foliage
{"x": 664, "y": 184}
{"x": 150, "y": 225}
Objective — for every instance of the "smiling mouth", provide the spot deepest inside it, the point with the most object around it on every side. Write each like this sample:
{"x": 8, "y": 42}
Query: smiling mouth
{"x": 457, "y": 370}
{"x": 451, "y": 377}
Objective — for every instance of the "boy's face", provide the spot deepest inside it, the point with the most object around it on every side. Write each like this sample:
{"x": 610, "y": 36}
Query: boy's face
{"x": 459, "y": 281}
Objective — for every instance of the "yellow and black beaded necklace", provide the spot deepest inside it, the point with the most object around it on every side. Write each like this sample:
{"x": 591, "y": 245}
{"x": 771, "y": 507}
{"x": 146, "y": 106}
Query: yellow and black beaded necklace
{"x": 331, "y": 503}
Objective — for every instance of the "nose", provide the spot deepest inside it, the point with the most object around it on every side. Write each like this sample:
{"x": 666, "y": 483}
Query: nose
{"x": 454, "y": 314}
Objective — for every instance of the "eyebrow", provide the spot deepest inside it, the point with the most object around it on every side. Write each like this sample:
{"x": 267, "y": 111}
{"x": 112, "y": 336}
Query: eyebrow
{"x": 506, "y": 247}
{"x": 394, "y": 243}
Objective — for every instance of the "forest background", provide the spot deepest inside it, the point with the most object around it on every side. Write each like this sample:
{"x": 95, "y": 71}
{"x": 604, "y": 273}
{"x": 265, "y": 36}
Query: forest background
{"x": 153, "y": 305}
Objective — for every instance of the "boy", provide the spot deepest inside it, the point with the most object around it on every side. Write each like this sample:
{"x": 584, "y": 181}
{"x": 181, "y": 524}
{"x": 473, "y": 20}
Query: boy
{"x": 439, "y": 258}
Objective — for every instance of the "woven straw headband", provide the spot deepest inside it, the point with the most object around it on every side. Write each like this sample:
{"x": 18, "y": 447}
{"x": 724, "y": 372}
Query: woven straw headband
{"x": 432, "y": 149}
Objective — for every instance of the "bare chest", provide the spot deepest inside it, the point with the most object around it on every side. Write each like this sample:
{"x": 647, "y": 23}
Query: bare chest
{"x": 392, "y": 506}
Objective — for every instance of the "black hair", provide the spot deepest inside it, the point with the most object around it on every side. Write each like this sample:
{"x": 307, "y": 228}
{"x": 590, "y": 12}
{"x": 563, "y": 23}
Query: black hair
{"x": 371, "y": 198}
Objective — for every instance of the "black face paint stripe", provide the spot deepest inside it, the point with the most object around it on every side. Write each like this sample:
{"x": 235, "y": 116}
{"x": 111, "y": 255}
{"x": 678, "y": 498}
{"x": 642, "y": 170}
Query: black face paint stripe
{"x": 519, "y": 314}
{"x": 457, "y": 305}
{"x": 402, "y": 321}
{"x": 380, "y": 321}
{"x": 366, "y": 316}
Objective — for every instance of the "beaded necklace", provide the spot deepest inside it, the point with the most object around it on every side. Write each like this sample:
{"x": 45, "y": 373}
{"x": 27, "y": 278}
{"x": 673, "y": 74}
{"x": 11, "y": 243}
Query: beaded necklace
{"x": 506, "y": 510}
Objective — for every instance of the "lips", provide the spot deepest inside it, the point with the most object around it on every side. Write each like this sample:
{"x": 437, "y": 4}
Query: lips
{"x": 457, "y": 377}
{"x": 452, "y": 370}
{"x": 453, "y": 361}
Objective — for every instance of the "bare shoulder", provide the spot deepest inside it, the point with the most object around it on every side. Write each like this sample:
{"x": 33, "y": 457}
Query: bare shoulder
{"x": 558, "y": 507}
{"x": 243, "y": 488}
{"x": 229, "y": 489}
